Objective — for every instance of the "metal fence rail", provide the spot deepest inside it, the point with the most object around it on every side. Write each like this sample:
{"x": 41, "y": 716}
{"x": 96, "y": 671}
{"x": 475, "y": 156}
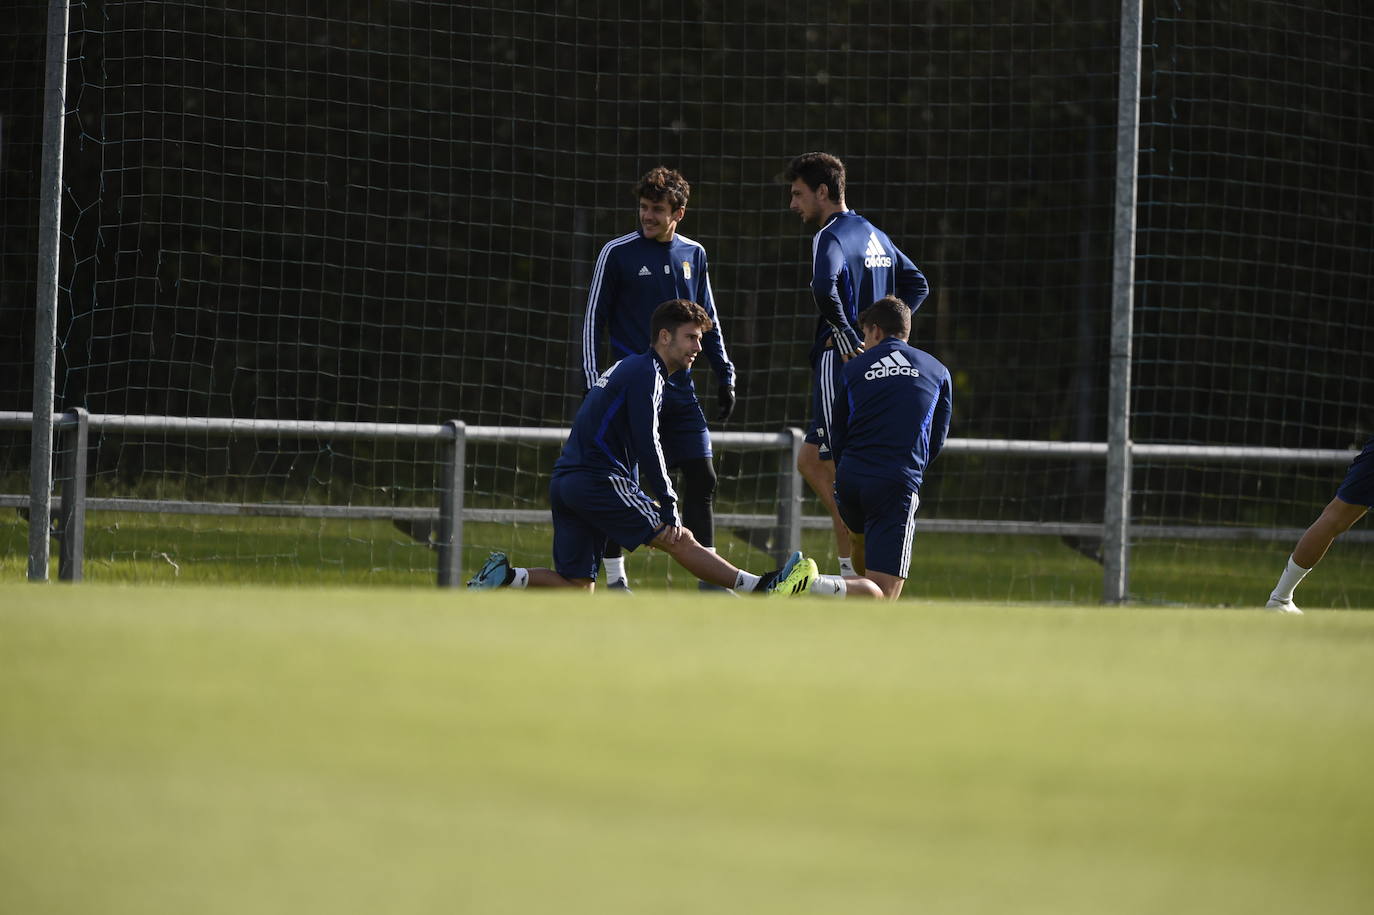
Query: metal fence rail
{"x": 450, "y": 514}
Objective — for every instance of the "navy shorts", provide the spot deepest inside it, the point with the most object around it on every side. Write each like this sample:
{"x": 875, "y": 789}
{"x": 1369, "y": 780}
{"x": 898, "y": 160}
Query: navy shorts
{"x": 885, "y": 513}
{"x": 825, "y": 382}
{"x": 588, "y": 508}
{"x": 1358, "y": 486}
{"x": 681, "y": 423}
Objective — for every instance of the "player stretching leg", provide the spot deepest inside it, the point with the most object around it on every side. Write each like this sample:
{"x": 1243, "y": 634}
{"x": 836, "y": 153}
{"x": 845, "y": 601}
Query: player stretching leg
{"x": 633, "y": 274}
{"x": 613, "y": 447}
{"x": 891, "y": 418}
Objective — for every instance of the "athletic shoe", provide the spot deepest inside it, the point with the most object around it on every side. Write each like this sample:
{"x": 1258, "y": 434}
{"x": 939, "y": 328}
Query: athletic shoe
{"x": 795, "y": 578}
{"x": 1283, "y": 606}
{"x": 766, "y": 581}
{"x": 620, "y": 585}
{"x": 494, "y": 574}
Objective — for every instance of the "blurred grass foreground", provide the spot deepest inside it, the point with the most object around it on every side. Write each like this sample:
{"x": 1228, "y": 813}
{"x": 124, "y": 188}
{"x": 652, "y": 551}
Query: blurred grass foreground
{"x": 269, "y": 750}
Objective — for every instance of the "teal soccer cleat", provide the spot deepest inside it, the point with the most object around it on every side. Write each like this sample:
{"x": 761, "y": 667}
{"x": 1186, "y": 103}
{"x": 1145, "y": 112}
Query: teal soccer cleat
{"x": 495, "y": 573}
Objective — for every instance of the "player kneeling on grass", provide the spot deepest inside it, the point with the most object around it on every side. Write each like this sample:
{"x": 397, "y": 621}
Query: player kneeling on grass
{"x": 613, "y": 448}
{"x": 891, "y": 416}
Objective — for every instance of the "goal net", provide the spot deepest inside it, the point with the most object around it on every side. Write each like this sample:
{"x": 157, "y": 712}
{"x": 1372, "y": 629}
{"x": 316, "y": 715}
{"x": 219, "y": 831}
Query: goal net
{"x": 1253, "y": 318}
{"x": 391, "y": 212}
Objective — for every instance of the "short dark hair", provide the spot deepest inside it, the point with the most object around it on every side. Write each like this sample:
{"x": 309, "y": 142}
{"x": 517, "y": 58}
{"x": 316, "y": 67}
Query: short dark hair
{"x": 817, "y": 168}
{"x": 662, "y": 183}
{"x": 674, "y": 313}
{"x": 890, "y": 315}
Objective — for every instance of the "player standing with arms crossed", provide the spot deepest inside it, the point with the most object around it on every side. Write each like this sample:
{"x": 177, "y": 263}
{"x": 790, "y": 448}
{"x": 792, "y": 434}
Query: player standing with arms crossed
{"x": 633, "y": 274}
{"x": 854, "y": 264}
{"x": 890, "y": 421}
{"x": 612, "y": 448}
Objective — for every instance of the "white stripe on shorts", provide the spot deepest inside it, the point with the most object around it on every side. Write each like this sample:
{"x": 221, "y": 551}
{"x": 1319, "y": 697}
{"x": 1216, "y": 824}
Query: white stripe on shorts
{"x": 908, "y": 532}
{"x": 827, "y": 373}
{"x": 635, "y": 498}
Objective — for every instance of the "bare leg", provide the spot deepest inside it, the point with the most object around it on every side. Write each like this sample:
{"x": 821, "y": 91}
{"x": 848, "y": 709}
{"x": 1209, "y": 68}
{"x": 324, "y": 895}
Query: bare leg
{"x": 548, "y": 578}
{"x": 890, "y": 585}
{"x": 820, "y": 476}
{"x": 695, "y": 558}
{"x": 1335, "y": 519}
{"x": 856, "y": 544}
{"x": 859, "y": 586}
{"x": 869, "y": 584}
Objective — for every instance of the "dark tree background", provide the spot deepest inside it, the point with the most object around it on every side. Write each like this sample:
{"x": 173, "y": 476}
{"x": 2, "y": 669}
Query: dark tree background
{"x": 389, "y": 211}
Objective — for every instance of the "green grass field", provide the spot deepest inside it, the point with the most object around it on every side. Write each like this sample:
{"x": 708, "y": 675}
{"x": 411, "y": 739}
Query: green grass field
{"x": 287, "y": 750}
{"x": 126, "y": 548}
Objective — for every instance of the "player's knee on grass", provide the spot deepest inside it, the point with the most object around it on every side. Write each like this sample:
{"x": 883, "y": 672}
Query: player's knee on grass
{"x": 861, "y": 586}
{"x": 889, "y": 585}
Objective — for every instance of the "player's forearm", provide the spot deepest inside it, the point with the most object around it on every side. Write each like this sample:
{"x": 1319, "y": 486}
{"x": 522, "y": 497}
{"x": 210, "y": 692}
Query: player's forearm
{"x": 589, "y": 347}
{"x": 940, "y": 430}
{"x": 847, "y": 339}
{"x": 654, "y": 480}
{"x": 721, "y": 364}
{"x": 832, "y": 312}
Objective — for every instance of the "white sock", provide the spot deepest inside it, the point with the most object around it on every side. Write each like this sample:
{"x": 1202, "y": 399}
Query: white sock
{"x": 521, "y": 579}
{"x": 615, "y": 570}
{"x": 830, "y": 586}
{"x": 745, "y": 581}
{"x": 847, "y": 566}
{"x": 1288, "y": 581}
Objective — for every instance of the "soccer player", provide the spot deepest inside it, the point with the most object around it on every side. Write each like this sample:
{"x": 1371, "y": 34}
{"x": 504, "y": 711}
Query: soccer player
{"x": 613, "y": 448}
{"x": 633, "y": 274}
{"x": 854, "y": 264}
{"x": 1353, "y": 498}
{"x": 890, "y": 421}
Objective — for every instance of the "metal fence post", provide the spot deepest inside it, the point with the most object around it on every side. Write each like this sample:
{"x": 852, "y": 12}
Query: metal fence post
{"x": 454, "y": 471}
{"x": 71, "y": 524}
{"x": 1116, "y": 516}
{"x": 791, "y": 490}
{"x": 45, "y": 323}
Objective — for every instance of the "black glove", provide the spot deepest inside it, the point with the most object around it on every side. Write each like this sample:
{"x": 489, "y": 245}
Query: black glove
{"x": 726, "y": 396}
